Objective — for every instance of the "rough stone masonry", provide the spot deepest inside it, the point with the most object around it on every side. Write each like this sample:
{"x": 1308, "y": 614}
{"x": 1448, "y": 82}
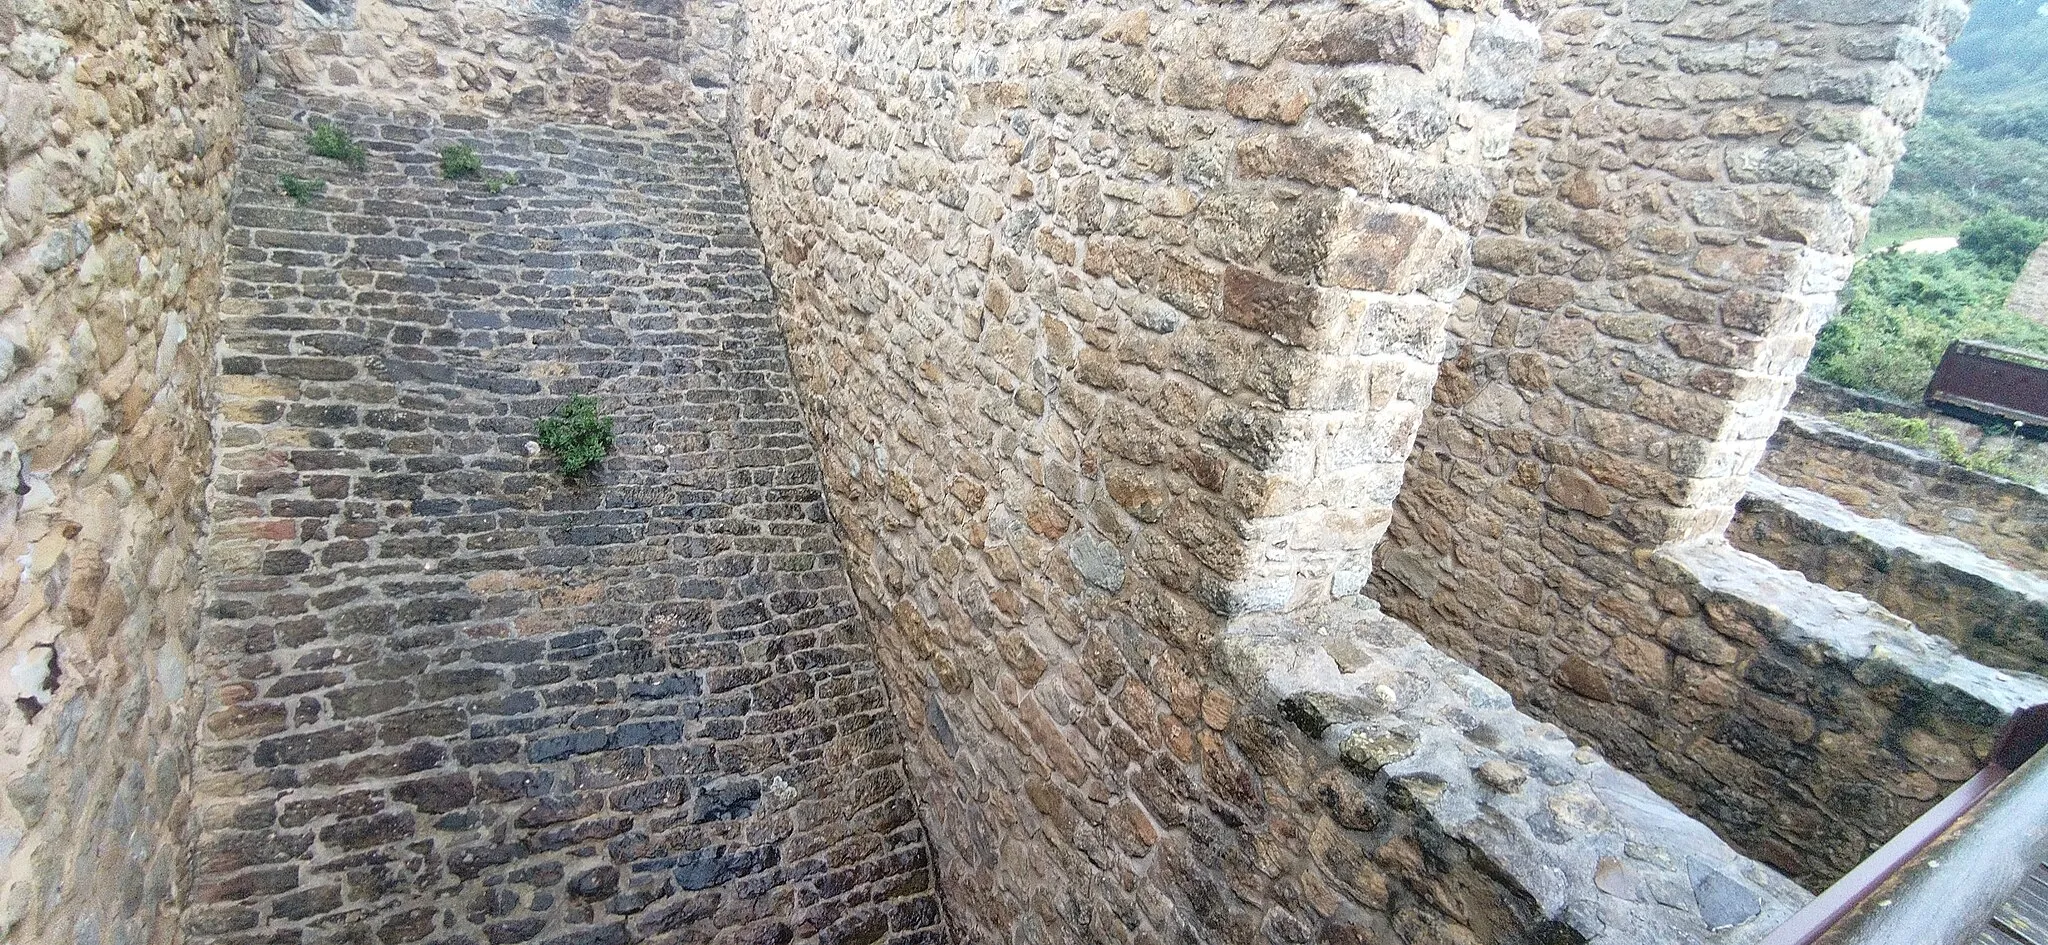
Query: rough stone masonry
{"x": 459, "y": 698}
{"x": 1112, "y": 329}
{"x": 117, "y": 130}
{"x": 1114, "y": 319}
{"x": 1681, "y": 203}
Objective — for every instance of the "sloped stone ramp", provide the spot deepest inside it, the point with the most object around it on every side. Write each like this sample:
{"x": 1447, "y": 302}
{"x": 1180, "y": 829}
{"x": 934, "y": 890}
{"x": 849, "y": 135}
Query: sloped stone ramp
{"x": 457, "y": 698}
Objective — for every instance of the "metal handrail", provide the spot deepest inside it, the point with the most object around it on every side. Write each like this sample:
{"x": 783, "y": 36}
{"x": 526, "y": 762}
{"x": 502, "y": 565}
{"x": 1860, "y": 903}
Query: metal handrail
{"x": 2025, "y": 734}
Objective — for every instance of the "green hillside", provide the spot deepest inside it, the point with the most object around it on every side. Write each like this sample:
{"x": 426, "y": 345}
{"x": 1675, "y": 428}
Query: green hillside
{"x": 1976, "y": 166}
{"x": 1984, "y": 142}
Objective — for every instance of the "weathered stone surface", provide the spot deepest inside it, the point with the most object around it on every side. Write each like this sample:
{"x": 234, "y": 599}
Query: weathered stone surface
{"x": 629, "y": 707}
{"x": 1111, "y": 334}
{"x": 659, "y": 63}
{"x": 1115, "y": 327}
{"x": 1723, "y": 902}
{"x": 117, "y": 126}
{"x": 1678, "y": 207}
{"x": 1995, "y": 613}
{"x": 2003, "y": 519}
{"x": 1559, "y": 825}
{"x": 1841, "y": 697}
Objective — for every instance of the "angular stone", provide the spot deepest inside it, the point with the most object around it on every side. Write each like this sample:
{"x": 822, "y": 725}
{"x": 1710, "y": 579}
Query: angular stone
{"x": 1288, "y": 311}
{"x": 1502, "y": 775}
{"x": 1098, "y": 561}
{"x": 1577, "y": 491}
{"x": 1368, "y": 752}
{"x": 1396, "y": 33}
{"x": 1724, "y": 902}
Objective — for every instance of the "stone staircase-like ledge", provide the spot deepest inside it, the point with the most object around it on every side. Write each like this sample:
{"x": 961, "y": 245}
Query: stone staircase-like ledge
{"x": 1852, "y": 630}
{"x": 1601, "y": 855}
{"x": 1996, "y": 613}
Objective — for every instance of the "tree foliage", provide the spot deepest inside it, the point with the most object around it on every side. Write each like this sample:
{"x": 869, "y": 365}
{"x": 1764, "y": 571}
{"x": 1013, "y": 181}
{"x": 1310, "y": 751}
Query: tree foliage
{"x": 1977, "y": 167}
{"x": 2001, "y": 240}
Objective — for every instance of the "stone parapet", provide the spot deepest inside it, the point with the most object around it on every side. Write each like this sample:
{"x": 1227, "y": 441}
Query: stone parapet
{"x": 1835, "y": 723}
{"x": 1679, "y": 207}
{"x": 2003, "y": 519}
{"x": 1996, "y": 614}
{"x": 1596, "y": 854}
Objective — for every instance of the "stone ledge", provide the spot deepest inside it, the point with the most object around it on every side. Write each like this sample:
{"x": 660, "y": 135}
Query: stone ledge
{"x": 1869, "y": 641}
{"x": 2004, "y": 519}
{"x": 1995, "y": 613}
{"x": 1599, "y": 853}
{"x": 1837, "y": 435}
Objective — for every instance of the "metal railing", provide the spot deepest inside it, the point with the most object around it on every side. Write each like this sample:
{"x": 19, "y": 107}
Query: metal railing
{"x": 1943, "y": 877}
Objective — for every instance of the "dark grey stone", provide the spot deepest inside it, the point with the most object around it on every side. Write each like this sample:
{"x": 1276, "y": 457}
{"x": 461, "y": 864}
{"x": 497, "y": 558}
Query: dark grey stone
{"x": 555, "y": 702}
{"x": 1724, "y": 902}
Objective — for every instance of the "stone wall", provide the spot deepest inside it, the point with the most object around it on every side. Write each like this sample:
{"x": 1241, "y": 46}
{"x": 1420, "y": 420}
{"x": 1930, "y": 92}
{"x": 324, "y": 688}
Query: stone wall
{"x": 1995, "y": 613}
{"x": 118, "y": 129}
{"x": 637, "y": 63}
{"x": 1114, "y": 323}
{"x": 2001, "y": 518}
{"x": 1689, "y": 181}
{"x": 456, "y": 696}
{"x": 1809, "y": 725}
{"x": 2030, "y": 294}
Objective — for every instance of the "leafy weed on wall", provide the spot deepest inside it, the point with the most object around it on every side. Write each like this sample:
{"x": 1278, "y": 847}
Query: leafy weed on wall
{"x": 461, "y": 162}
{"x": 328, "y": 140}
{"x": 578, "y": 435}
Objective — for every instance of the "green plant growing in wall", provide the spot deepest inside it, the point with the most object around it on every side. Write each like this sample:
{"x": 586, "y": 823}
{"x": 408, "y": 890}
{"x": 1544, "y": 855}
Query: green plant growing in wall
{"x": 577, "y": 434}
{"x": 328, "y": 140}
{"x": 461, "y": 162}
{"x": 499, "y": 181}
{"x": 303, "y": 191}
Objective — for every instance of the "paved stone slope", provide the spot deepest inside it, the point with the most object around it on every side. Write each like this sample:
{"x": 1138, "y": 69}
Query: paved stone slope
{"x": 459, "y": 700}
{"x": 2030, "y": 294}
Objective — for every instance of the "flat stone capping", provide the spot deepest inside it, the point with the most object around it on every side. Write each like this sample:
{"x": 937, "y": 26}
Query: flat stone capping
{"x": 2004, "y": 519}
{"x": 1870, "y": 641}
{"x": 1602, "y": 856}
{"x": 1995, "y": 613}
{"x": 1817, "y": 397}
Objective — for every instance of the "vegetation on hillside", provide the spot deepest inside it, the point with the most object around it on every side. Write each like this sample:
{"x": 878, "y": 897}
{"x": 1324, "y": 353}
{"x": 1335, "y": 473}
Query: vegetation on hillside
{"x": 1901, "y": 310}
{"x": 1984, "y": 142}
{"x": 1976, "y": 167}
{"x": 1991, "y": 455}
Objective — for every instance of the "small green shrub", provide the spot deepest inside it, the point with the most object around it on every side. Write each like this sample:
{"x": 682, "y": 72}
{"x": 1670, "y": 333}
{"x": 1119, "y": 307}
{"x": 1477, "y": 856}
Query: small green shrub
{"x": 460, "y": 162}
{"x": 577, "y": 434}
{"x": 303, "y": 191}
{"x": 1984, "y": 459}
{"x": 2002, "y": 240}
{"x": 328, "y": 140}
{"x": 501, "y": 180}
